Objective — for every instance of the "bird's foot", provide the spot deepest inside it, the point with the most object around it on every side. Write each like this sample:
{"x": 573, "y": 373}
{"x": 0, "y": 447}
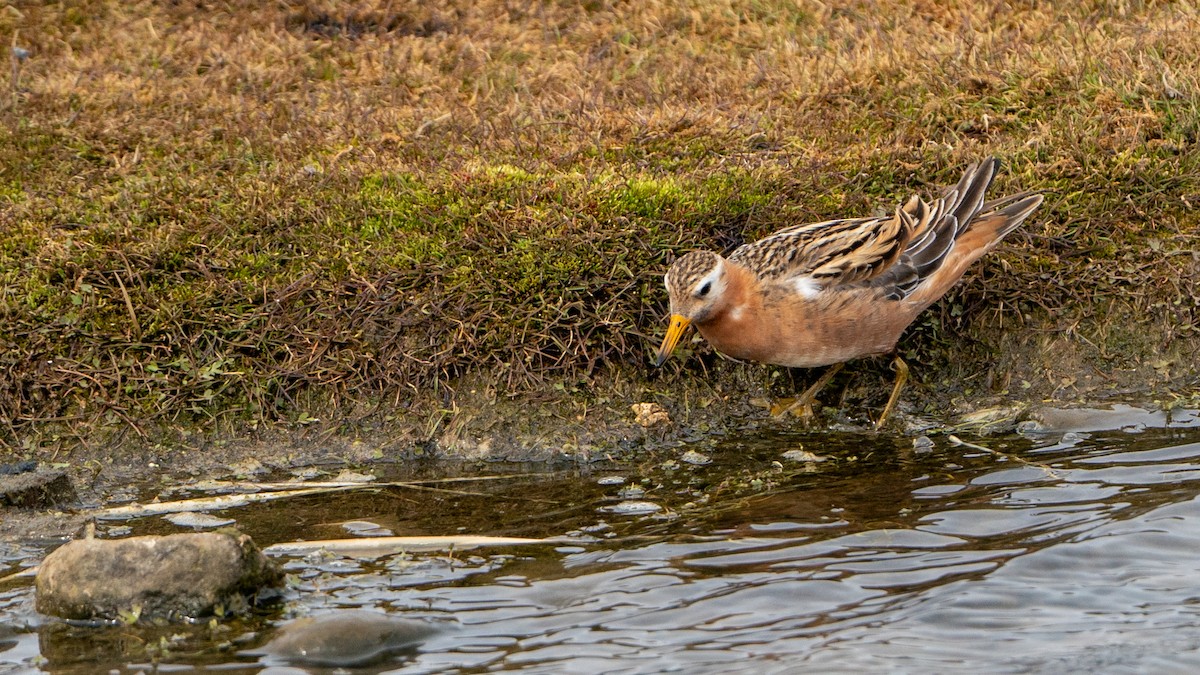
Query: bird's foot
{"x": 901, "y": 369}
{"x": 800, "y": 407}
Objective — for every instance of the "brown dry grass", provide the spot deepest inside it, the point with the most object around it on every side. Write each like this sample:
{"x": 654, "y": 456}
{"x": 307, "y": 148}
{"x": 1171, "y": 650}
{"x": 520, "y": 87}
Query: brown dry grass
{"x": 219, "y": 209}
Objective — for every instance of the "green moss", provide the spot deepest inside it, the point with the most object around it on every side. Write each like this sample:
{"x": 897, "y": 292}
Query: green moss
{"x": 643, "y": 197}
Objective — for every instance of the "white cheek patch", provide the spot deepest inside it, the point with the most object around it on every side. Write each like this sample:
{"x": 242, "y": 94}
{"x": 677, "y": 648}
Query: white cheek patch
{"x": 711, "y": 279}
{"x": 807, "y": 287}
{"x": 736, "y": 313}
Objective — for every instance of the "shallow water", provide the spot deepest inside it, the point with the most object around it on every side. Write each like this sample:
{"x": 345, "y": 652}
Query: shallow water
{"x": 1062, "y": 549}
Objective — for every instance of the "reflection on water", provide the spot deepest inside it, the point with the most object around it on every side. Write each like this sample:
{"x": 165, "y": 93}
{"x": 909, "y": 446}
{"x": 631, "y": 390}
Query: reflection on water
{"x": 1060, "y": 550}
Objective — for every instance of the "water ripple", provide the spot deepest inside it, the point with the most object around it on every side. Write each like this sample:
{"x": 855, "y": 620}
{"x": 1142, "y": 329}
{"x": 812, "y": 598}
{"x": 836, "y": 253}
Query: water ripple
{"x": 1049, "y": 555}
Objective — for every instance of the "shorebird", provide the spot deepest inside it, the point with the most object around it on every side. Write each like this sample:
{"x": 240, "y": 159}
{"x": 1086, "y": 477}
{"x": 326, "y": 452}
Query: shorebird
{"x": 821, "y": 294}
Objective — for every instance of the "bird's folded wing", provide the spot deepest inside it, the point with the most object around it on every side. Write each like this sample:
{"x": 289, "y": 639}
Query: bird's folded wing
{"x": 830, "y": 253}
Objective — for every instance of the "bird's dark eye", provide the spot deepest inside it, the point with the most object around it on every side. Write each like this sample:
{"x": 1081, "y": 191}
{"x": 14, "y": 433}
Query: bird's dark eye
{"x": 704, "y": 289}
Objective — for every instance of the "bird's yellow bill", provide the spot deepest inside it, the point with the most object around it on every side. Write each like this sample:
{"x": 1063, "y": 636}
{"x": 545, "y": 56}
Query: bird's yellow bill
{"x": 675, "y": 331}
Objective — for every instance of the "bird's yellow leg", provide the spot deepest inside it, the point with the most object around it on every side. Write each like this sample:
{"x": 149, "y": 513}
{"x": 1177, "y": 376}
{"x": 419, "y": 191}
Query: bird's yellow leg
{"x": 901, "y": 369}
{"x": 806, "y": 399}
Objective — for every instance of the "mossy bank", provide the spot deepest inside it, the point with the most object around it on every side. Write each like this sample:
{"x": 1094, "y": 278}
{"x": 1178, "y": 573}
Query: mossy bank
{"x": 446, "y": 228}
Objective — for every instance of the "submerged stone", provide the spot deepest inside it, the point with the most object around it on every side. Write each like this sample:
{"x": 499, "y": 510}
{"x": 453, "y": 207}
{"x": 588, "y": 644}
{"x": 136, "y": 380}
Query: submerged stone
{"x": 799, "y": 455}
{"x": 173, "y": 577}
{"x": 1120, "y": 416}
{"x": 197, "y": 521}
{"x": 345, "y": 638}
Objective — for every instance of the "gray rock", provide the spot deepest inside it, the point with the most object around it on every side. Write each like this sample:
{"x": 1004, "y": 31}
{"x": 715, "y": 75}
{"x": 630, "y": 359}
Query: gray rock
{"x": 173, "y": 577}
{"x": 345, "y": 638}
{"x": 36, "y": 489}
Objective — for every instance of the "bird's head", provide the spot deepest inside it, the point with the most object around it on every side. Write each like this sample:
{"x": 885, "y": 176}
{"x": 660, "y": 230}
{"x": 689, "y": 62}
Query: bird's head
{"x": 695, "y": 285}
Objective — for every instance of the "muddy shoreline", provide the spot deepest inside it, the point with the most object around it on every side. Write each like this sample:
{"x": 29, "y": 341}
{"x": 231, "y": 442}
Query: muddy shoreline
{"x": 563, "y": 432}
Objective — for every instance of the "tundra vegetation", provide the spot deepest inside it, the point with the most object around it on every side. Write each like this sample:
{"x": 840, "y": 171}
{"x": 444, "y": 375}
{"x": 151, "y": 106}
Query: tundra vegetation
{"x": 449, "y": 222}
